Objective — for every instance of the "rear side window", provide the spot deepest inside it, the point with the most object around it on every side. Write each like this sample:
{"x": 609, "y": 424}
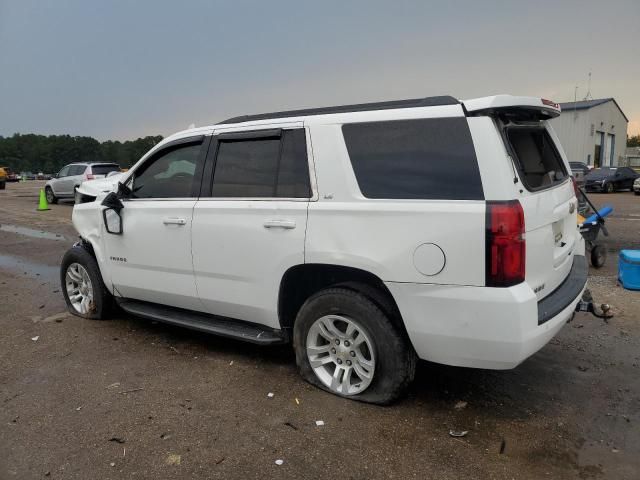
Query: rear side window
{"x": 414, "y": 159}
{"x": 262, "y": 167}
{"x": 104, "y": 169}
{"x": 77, "y": 170}
{"x": 537, "y": 158}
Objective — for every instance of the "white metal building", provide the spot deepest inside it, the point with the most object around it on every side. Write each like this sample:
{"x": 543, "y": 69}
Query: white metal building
{"x": 633, "y": 157}
{"x": 593, "y": 131}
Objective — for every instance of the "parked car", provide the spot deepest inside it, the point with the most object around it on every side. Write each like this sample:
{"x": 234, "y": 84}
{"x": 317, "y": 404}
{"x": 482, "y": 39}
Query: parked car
{"x": 366, "y": 235}
{"x": 610, "y": 179}
{"x": 11, "y": 175}
{"x": 636, "y": 186}
{"x": 3, "y": 178}
{"x": 579, "y": 170}
{"x": 70, "y": 177}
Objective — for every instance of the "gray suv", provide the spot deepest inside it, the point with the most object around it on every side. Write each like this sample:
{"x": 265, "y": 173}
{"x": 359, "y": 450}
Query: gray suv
{"x": 65, "y": 182}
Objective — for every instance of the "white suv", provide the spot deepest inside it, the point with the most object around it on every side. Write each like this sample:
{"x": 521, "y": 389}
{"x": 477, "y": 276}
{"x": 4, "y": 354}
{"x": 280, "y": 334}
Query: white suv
{"x": 366, "y": 235}
{"x": 65, "y": 183}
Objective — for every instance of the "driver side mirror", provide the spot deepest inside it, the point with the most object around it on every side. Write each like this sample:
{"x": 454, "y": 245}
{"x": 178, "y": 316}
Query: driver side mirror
{"x": 111, "y": 215}
{"x": 112, "y": 221}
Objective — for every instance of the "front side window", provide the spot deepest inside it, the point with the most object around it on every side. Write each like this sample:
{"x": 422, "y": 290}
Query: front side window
{"x": 263, "y": 167}
{"x": 63, "y": 172}
{"x": 170, "y": 174}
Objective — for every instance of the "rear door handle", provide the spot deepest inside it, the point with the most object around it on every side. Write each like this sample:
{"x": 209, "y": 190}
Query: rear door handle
{"x": 174, "y": 221}
{"x": 280, "y": 224}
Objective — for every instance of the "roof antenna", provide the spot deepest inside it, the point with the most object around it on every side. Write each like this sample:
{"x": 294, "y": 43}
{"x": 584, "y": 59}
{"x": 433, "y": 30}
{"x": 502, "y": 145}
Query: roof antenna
{"x": 588, "y": 95}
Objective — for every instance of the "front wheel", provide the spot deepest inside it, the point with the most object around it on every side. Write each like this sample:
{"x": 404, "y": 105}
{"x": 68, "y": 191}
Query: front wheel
{"x": 609, "y": 188}
{"x": 346, "y": 345}
{"x": 51, "y": 197}
{"x": 82, "y": 286}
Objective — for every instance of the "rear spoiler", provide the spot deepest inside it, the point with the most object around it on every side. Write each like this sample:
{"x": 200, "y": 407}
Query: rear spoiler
{"x": 524, "y": 107}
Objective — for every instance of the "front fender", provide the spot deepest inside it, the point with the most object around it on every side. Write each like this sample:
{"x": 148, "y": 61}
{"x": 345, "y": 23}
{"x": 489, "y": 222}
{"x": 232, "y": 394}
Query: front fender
{"x": 87, "y": 220}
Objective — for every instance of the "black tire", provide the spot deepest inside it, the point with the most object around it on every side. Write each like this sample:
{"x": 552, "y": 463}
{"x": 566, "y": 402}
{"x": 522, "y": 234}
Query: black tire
{"x": 395, "y": 357}
{"x": 3, "y": 185}
{"x": 598, "y": 256}
{"x": 636, "y": 192}
{"x": 609, "y": 188}
{"x": 102, "y": 299}
{"x": 51, "y": 197}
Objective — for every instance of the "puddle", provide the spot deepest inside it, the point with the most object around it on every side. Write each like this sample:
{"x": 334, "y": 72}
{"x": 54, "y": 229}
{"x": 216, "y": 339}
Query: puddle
{"x": 35, "y": 270}
{"x": 30, "y": 232}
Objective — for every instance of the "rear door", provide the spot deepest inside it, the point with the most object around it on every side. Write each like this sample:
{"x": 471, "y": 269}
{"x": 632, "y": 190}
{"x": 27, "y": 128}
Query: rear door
{"x": 249, "y": 223}
{"x": 548, "y": 200}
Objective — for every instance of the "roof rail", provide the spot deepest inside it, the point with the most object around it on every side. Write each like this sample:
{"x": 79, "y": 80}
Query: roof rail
{"x": 360, "y": 107}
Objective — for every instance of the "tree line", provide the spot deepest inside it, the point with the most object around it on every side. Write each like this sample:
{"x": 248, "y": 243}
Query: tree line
{"x": 633, "y": 141}
{"x": 48, "y": 154}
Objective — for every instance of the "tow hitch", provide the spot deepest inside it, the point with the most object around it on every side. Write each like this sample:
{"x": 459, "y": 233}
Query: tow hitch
{"x": 586, "y": 304}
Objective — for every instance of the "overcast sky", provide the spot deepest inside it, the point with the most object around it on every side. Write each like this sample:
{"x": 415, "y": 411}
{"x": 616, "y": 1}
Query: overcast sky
{"x": 123, "y": 69}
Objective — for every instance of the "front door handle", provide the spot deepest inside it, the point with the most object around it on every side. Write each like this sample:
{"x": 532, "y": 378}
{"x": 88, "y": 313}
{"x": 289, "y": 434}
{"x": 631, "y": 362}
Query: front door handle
{"x": 174, "y": 221}
{"x": 280, "y": 224}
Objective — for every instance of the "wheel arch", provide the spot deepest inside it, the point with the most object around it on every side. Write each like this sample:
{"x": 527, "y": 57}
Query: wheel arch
{"x": 301, "y": 281}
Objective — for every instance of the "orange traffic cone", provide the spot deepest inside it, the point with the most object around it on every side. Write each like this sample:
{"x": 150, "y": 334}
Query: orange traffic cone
{"x": 43, "y": 205}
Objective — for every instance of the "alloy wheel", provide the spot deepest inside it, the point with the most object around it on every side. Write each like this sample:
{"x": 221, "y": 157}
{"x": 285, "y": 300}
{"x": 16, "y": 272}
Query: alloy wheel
{"x": 79, "y": 288}
{"x": 341, "y": 354}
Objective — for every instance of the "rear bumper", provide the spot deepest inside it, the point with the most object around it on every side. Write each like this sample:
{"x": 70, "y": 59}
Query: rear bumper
{"x": 481, "y": 327}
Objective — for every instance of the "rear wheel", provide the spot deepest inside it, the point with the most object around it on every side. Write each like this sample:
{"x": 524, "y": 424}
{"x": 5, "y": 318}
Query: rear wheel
{"x": 598, "y": 256}
{"x": 2, "y": 185}
{"x": 82, "y": 285}
{"x": 51, "y": 197}
{"x": 346, "y": 345}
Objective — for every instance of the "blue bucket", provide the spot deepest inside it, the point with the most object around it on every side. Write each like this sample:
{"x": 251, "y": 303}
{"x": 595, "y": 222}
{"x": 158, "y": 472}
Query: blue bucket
{"x": 629, "y": 269}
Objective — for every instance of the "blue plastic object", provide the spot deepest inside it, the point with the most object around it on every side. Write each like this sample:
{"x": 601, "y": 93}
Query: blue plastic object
{"x": 629, "y": 269}
{"x": 604, "y": 211}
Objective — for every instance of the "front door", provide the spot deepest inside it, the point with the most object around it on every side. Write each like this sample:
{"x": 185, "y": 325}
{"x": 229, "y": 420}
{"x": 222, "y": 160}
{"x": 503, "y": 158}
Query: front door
{"x": 62, "y": 184}
{"x": 249, "y": 225}
{"x": 151, "y": 259}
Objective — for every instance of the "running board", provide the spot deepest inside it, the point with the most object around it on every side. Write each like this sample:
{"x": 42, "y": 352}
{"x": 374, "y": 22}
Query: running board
{"x": 223, "y": 327}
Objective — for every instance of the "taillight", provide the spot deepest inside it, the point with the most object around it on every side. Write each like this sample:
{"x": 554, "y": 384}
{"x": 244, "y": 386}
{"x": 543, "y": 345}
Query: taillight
{"x": 505, "y": 243}
{"x": 89, "y": 176}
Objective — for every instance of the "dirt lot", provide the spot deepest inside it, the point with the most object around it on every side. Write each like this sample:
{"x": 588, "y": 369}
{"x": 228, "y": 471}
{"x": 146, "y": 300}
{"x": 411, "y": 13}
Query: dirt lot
{"x": 128, "y": 398}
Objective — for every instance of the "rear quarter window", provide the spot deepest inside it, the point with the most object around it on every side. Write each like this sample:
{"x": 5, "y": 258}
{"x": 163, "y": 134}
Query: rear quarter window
{"x": 414, "y": 159}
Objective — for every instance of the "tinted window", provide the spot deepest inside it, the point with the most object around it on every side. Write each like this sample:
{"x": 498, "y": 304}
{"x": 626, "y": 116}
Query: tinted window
{"x": 77, "y": 170}
{"x": 538, "y": 161}
{"x": 63, "y": 172}
{"x": 262, "y": 167}
{"x": 293, "y": 174}
{"x": 169, "y": 175}
{"x": 246, "y": 168}
{"x": 414, "y": 159}
{"x": 104, "y": 169}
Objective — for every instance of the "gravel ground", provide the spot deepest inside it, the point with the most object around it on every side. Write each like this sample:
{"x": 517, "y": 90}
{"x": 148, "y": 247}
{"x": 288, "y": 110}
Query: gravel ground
{"x": 129, "y": 398}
